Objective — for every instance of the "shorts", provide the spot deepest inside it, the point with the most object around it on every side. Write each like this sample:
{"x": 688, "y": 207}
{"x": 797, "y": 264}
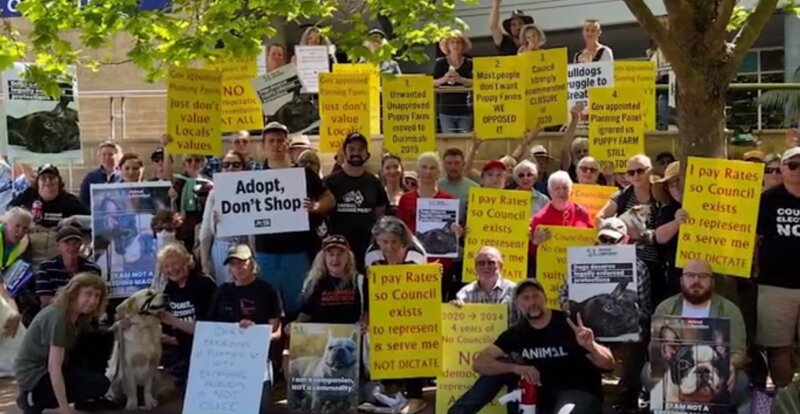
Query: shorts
{"x": 778, "y": 314}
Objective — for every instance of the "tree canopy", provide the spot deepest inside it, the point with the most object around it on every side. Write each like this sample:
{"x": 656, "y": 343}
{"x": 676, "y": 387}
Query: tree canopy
{"x": 193, "y": 30}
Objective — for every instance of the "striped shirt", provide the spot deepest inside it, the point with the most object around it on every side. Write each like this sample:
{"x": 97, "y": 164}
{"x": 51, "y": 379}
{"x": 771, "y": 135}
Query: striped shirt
{"x": 501, "y": 293}
{"x": 52, "y": 274}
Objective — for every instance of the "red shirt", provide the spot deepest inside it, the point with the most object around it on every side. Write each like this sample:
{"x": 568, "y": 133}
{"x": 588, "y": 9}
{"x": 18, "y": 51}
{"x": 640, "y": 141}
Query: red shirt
{"x": 407, "y": 207}
{"x": 573, "y": 215}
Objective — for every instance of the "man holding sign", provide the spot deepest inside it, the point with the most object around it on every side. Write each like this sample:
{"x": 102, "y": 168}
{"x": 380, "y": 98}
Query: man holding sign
{"x": 283, "y": 258}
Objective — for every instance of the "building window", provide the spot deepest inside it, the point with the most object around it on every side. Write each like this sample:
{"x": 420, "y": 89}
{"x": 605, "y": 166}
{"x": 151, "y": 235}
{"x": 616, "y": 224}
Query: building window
{"x": 744, "y": 114}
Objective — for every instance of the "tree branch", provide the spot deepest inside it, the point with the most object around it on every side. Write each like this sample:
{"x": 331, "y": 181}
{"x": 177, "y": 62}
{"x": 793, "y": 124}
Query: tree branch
{"x": 751, "y": 29}
{"x": 657, "y": 32}
{"x": 724, "y": 15}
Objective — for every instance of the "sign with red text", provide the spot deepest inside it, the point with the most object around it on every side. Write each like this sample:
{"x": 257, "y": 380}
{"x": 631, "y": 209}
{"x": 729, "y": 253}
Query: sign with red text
{"x": 721, "y": 198}
{"x": 498, "y": 218}
{"x": 194, "y": 98}
{"x": 405, "y": 334}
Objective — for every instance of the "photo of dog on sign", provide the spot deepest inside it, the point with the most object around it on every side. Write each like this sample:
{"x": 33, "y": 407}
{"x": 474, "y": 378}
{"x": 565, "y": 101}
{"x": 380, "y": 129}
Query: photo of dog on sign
{"x": 324, "y": 368}
{"x": 690, "y": 360}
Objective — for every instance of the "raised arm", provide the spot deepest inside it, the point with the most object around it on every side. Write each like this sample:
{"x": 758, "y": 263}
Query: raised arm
{"x": 569, "y": 135}
{"x": 494, "y": 23}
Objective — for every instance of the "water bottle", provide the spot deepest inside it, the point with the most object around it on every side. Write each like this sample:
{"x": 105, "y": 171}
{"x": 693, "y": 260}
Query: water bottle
{"x": 36, "y": 210}
{"x": 528, "y": 397}
{"x": 452, "y": 69}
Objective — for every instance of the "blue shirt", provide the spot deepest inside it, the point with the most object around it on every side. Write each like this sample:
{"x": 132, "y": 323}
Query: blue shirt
{"x": 96, "y": 176}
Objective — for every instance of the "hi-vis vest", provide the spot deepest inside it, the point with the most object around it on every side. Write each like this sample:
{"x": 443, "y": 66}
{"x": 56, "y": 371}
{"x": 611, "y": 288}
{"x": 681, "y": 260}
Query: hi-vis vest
{"x": 16, "y": 252}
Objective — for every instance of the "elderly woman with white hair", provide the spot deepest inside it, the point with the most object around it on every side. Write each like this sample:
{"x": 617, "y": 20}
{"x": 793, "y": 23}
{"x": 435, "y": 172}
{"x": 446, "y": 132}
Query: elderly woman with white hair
{"x": 525, "y": 175}
{"x": 560, "y": 211}
{"x": 587, "y": 171}
{"x": 429, "y": 169}
{"x": 13, "y": 260}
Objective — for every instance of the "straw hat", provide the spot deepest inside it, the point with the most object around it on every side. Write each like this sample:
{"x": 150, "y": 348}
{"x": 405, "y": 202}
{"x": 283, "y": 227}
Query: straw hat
{"x": 659, "y": 186}
{"x": 455, "y": 34}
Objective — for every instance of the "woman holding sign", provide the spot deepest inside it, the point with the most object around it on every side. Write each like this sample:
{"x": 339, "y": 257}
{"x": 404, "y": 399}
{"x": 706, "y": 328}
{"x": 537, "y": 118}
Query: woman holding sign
{"x": 395, "y": 244}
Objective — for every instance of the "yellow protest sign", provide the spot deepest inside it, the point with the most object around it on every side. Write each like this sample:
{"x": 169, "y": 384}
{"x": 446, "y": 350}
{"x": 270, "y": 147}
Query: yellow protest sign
{"x": 374, "y": 90}
{"x": 546, "y": 89}
{"x": 241, "y": 108}
{"x": 498, "y": 218}
{"x": 721, "y": 198}
{"x": 551, "y": 257}
{"x": 466, "y": 331}
{"x": 639, "y": 74}
{"x": 499, "y": 90}
{"x": 616, "y": 125}
{"x": 592, "y": 197}
{"x": 405, "y": 321}
{"x": 343, "y": 108}
{"x": 193, "y": 111}
{"x": 409, "y": 117}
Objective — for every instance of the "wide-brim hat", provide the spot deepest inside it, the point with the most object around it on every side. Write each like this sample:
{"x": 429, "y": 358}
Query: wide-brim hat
{"x": 455, "y": 34}
{"x": 659, "y": 186}
{"x": 516, "y": 14}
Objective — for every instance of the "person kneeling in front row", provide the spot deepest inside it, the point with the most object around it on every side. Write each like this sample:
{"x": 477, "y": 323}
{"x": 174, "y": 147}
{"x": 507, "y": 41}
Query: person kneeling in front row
{"x": 546, "y": 348}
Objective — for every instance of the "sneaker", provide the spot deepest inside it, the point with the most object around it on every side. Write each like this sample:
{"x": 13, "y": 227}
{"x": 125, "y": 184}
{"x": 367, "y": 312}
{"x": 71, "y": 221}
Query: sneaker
{"x": 25, "y": 403}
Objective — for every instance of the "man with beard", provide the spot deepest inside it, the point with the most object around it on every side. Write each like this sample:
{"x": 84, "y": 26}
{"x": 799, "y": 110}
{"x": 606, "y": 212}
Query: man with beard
{"x": 545, "y": 348}
{"x": 360, "y": 197}
{"x": 698, "y": 300}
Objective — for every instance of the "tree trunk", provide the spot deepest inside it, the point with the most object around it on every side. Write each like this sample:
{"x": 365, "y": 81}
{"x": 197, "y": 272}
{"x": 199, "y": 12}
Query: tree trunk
{"x": 701, "y": 116}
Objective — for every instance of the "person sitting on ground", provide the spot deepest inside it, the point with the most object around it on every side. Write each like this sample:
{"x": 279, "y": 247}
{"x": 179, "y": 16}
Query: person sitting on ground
{"x": 551, "y": 351}
{"x": 45, "y": 376}
{"x": 15, "y": 267}
{"x": 56, "y": 272}
{"x": 698, "y": 300}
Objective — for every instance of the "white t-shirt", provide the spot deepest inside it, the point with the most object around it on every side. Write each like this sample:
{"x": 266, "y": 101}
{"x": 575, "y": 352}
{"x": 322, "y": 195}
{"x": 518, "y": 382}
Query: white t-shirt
{"x": 694, "y": 311}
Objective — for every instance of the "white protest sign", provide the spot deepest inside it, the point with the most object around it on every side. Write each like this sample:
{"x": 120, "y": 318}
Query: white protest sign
{"x": 260, "y": 202}
{"x": 226, "y": 372}
{"x": 311, "y": 61}
{"x": 277, "y": 88}
{"x": 582, "y": 76}
{"x": 672, "y": 90}
{"x": 434, "y": 218}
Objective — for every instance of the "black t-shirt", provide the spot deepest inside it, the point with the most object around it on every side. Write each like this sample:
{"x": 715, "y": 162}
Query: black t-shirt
{"x": 779, "y": 231}
{"x": 258, "y": 302}
{"x": 50, "y": 212}
{"x": 332, "y": 301}
{"x": 189, "y": 303}
{"x": 356, "y": 201}
{"x": 453, "y": 103}
{"x": 507, "y": 46}
{"x": 299, "y": 241}
{"x": 554, "y": 351}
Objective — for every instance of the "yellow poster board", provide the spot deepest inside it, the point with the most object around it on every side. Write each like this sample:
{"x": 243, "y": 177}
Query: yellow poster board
{"x": 374, "y": 91}
{"x": 343, "y": 108}
{"x": 241, "y": 108}
{"x": 409, "y": 115}
{"x": 499, "y": 90}
{"x": 721, "y": 198}
{"x": 546, "y": 88}
{"x": 592, "y": 197}
{"x": 405, "y": 321}
{"x": 616, "y": 125}
{"x": 640, "y": 74}
{"x": 551, "y": 257}
{"x": 467, "y": 331}
{"x": 193, "y": 111}
{"x": 498, "y": 218}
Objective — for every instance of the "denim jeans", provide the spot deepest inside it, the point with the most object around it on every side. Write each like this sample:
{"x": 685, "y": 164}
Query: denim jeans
{"x": 455, "y": 123}
{"x": 286, "y": 273}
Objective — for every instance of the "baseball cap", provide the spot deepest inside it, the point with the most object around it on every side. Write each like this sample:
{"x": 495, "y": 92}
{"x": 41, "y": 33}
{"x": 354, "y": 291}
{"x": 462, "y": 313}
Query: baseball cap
{"x": 276, "y": 126}
{"x": 613, "y": 227}
{"x": 157, "y": 154}
{"x": 528, "y": 283}
{"x": 48, "y": 169}
{"x": 493, "y": 164}
{"x": 754, "y": 155}
{"x": 68, "y": 233}
{"x": 790, "y": 153}
{"x": 353, "y": 137}
{"x": 238, "y": 251}
{"x": 335, "y": 240}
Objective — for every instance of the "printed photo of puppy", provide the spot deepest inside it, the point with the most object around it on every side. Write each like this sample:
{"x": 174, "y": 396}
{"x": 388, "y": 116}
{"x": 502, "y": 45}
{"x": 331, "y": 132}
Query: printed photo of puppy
{"x": 324, "y": 368}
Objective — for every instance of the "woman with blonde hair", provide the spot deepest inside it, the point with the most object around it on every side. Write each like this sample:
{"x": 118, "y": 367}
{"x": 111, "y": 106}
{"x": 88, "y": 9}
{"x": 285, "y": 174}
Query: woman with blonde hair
{"x": 45, "y": 380}
{"x": 313, "y": 36}
{"x": 593, "y": 51}
{"x": 454, "y": 69}
{"x": 190, "y": 294}
{"x": 531, "y": 38}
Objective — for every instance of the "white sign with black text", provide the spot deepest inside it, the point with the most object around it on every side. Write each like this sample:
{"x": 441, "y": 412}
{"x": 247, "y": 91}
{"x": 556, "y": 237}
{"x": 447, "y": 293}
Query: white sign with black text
{"x": 582, "y": 76}
{"x": 260, "y": 202}
{"x": 311, "y": 61}
{"x": 434, "y": 220}
{"x": 602, "y": 289}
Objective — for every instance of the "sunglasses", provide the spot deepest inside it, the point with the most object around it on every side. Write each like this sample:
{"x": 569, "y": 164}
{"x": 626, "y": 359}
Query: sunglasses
{"x": 589, "y": 169}
{"x": 792, "y": 165}
{"x": 525, "y": 175}
{"x": 231, "y": 164}
{"x": 486, "y": 263}
{"x": 411, "y": 183}
{"x": 194, "y": 160}
{"x": 607, "y": 240}
{"x": 638, "y": 171}
{"x": 772, "y": 170}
